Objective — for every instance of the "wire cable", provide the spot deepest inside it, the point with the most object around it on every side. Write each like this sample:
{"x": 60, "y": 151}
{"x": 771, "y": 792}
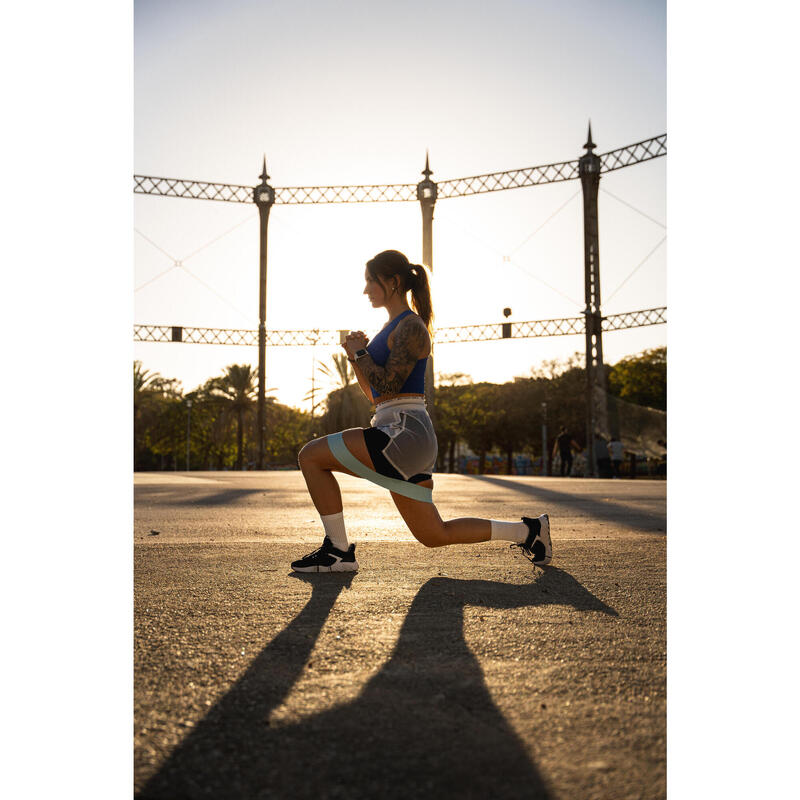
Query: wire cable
{"x": 542, "y": 280}
{"x": 222, "y": 235}
{"x": 555, "y": 213}
{"x": 625, "y": 203}
{"x": 507, "y": 258}
{"x": 168, "y": 255}
{"x": 606, "y": 300}
{"x": 179, "y": 263}
{"x": 214, "y": 291}
{"x": 160, "y": 275}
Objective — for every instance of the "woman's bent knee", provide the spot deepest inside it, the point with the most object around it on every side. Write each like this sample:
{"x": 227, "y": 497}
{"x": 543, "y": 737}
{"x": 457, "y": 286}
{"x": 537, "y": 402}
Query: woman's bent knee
{"x": 306, "y": 454}
{"x": 430, "y": 537}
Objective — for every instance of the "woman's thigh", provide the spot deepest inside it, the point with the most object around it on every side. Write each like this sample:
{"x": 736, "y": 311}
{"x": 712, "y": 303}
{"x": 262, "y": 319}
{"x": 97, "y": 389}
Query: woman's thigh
{"x": 422, "y": 518}
{"x": 319, "y": 452}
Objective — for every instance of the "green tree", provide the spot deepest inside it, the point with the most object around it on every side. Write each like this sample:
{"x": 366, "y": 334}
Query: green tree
{"x": 478, "y": 419}
{"x": 288, "y": 429}
{"x": 346, "y": 407}
{"x": 213, "y": 440}
{"x": 641, "y": 379}
{"x": 449, "y": 389}
{"x": 565, "y": 395}
{"x": 154, "y": 399}
{"x": 343, "y": 403}
{"x": 237, "y": 388}
{"x": 341, "y": 372}
{"x": 519, "y": 404}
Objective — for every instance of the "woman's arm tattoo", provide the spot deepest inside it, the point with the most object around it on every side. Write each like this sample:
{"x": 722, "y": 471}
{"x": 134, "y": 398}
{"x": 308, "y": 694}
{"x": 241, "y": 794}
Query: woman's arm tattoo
{"x": 410, "y": 342}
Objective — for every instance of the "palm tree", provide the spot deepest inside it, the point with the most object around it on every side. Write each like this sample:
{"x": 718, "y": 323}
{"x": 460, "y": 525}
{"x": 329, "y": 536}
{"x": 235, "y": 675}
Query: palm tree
{"x": 342, "y": 372}
{"x": 143, "y": 381}
{"x": 147, "y": 383}
{"x": 237, "y": 388}
{"x": 152, "y": 393}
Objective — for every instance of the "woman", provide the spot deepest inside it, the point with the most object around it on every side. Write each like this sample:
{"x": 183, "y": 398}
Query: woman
{"x": 399, "y": 450}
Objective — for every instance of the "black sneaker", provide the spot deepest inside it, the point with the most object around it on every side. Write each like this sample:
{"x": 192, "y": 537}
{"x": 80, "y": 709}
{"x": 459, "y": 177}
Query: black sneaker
{"x": 538, "y": 547}
{"x": 328, "y": 559}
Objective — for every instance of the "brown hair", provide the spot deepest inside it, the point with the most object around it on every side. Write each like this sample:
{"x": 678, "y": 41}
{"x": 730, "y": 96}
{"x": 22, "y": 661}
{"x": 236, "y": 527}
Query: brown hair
{"x": 413, "y": 278}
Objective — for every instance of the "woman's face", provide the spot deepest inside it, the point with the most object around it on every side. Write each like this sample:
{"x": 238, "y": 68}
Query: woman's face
{"x": 375, "y": 291}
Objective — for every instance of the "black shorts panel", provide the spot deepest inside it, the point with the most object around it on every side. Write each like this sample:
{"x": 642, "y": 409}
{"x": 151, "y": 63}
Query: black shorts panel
{"x": 376, "y": 440}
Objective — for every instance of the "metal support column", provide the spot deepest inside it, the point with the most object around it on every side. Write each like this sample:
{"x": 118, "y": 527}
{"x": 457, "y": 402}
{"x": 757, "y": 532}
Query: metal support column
{"x": 596, "y": 413}
{"x": 188, "y": 430}
{"x": 426, "y": 194}
{"x": 545, "y": 451}
{"x": 263, "y": 197}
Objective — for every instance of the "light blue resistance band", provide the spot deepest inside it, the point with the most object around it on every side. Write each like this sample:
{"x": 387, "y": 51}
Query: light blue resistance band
{"x": 347, "y": 459}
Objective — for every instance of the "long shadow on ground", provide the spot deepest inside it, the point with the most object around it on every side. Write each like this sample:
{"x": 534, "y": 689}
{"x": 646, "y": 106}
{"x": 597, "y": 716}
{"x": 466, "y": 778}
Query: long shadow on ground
{"x": 425, "y": 726}
{"x": 632, "y": 517}
{"x": 197, "y": 496}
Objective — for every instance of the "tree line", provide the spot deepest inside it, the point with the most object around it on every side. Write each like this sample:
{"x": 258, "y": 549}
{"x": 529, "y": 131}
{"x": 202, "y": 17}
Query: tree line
{"x": 487, "y": 417}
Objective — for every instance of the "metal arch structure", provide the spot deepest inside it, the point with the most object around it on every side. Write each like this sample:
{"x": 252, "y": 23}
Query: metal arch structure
{"x": 402, "y": 192}
{"x": 492, "y": 331}
{"x": 427, "y": 192}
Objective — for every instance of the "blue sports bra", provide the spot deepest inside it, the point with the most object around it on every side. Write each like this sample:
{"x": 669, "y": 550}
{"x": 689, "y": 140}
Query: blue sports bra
{"x": 378, "y": 348}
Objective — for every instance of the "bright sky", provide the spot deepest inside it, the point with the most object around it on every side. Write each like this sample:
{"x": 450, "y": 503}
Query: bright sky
{"x": 354, "y": 93}
{"x": 503, "y": 88}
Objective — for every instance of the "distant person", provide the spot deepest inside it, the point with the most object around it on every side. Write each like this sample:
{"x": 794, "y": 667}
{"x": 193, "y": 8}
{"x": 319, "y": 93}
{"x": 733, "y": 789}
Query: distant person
{"x": 565, "y": 445}
{"x": 617, "y": 453}
{"x": 398, "y": 451}
{"x": 601, "y": 454}
{"x": 661, "y": 469}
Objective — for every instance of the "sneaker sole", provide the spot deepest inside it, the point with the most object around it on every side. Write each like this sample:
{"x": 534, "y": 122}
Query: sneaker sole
{"x": 544, "y": 535}
{"x": 344, "y": 566}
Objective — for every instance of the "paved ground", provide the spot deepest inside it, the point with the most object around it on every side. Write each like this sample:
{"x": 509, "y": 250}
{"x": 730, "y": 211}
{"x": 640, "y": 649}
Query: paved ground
{"x": 451, "y": 672}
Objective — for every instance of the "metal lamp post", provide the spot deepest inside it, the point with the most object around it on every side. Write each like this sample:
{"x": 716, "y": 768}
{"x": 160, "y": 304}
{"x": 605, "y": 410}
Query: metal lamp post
{"x": 188, "y": 430}
{"x": 544, "y": 438}
{"x": 263, "y": 197}
{"x": 589, "y": 171}
{"x": 426, "y": 194}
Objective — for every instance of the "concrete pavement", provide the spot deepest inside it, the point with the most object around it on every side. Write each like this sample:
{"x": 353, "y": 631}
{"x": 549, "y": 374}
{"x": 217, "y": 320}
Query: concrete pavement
{"x": 460, "y": 671}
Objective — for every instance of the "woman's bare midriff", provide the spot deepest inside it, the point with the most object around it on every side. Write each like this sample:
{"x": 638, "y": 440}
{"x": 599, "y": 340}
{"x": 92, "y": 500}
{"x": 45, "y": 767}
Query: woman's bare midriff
{"x": 384, "y": 398}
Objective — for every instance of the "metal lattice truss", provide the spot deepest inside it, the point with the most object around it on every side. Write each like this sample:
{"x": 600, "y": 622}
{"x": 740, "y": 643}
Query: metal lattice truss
{"x": 402, "y": 192}
{"x": 466, "y": 333}
{"x": 634, "y": 153}
{"x": 247, "y": 338}
{"x": 198, "y": 190}
{"x": 389, "y": 193}
{"x": 635, "y": 319}
{"x": 512, "y": 179}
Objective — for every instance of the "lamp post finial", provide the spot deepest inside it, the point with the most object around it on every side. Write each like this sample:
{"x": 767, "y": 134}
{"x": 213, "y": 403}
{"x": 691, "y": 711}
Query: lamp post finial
{"x": 590, "y": 145}
{"x": 427, "y": 171}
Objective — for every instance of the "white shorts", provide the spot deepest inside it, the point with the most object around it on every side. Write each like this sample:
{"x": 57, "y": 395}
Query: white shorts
{"x": 401, "y": 440}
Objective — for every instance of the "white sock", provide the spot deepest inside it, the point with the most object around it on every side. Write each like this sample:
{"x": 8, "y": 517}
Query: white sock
{"x": 510, "y": 531}
{"x": 334, "y": 530}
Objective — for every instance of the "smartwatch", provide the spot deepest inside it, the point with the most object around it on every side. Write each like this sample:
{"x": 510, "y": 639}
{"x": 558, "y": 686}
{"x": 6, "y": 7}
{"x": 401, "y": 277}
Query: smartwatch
{"x": 361, "y": 353}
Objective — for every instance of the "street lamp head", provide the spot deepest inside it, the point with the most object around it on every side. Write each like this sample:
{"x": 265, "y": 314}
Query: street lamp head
{"x": 264, "y": 193}
{"x": 426, "y": 188}
{"x": 188, "y": 403}
{"x": 506, "y": 312}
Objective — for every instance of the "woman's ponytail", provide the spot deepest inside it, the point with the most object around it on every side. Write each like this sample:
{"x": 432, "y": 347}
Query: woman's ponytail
{"x": 421, "y": 294}
{"x": 414, "y": 277}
